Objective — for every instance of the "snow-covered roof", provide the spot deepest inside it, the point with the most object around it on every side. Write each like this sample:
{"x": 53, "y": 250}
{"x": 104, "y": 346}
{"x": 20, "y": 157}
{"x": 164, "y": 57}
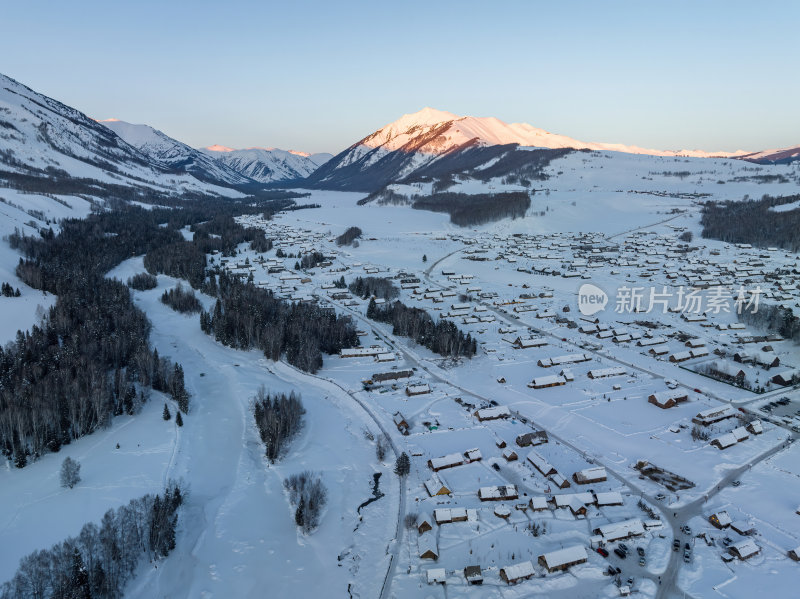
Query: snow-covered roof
{"x": 497, "y": 492}
{"x": 561, "y": 557}
{"x": 436, "y": 575}
{"x": 535, "y": 458}
{"x": 493, "y": 413}
{"x": 621, "y": 530}
{"x": 453, "y": 459}
{"x": 609, "y": 498}
{"x": 746, "y": 548}
{"x": 517, "y": 571}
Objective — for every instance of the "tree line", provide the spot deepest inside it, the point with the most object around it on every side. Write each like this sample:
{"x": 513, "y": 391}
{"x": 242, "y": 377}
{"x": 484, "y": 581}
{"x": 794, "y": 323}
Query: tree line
{"x": 753, "y": 222}
{"x": 181, "y": 300}
{"x": 349, "y": 236}
{"x": 101, "y": 559}
{"x": 6, "y": 290}
{"x": 278, "y": 419}
{"x": 246, "y": 316}
{"x": 468, "y": 210}
{"x": 382, "y": 287}
{"x": 442, "y": 337}
{"x": 142, "y": 281}
{"x": 772, "y": 317}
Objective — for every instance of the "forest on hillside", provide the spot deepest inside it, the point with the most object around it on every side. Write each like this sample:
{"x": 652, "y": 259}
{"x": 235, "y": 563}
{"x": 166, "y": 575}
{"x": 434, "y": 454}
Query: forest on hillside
{"x": 754, "y": 222}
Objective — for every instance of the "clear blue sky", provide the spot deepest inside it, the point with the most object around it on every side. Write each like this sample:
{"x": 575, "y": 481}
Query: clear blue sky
{"x": 318, "y": 76}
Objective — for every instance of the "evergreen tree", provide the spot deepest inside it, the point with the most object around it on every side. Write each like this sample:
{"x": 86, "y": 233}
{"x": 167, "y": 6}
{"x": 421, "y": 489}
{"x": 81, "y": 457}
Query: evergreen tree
{"x": 403, "y": 465}
{"x": 79, "y": 577}
{"x": 178, "y": 419}
{"x": 424, "y": 257}
{"x": 166, "y": 415}
{"x": 299, "y": 514}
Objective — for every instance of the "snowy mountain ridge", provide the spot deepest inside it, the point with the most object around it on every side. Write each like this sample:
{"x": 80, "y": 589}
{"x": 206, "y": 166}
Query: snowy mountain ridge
{"x": 415, "y": 142}
{"x": 457, "y": 130}
{"x": 267, "y": 165}
{"x": 175, "y": 155}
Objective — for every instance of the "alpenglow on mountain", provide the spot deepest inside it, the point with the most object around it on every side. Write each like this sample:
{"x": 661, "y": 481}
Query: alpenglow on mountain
{"x": 414, "y": 143}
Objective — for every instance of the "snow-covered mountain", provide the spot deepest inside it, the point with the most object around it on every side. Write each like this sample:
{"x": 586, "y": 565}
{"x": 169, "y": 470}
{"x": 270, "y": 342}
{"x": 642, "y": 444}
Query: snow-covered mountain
{"x": 175, "y": 155}
{"x": 268, "y": 165}
{"x": 400, "y": 149}
{"x": 42, "y": 138}
{"x": 781, "y": 156}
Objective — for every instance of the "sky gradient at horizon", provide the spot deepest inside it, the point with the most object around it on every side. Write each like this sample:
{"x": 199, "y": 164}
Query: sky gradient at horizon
{"x": 318, "y": 76}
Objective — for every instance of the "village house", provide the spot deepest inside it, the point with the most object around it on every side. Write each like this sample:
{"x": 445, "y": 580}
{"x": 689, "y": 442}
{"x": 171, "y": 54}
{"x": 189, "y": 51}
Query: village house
{"x": 528, "y": 342}
{"x": 720, "y": 519}
{"x": 498, "y": 493}
{"x": 538, "y": 503}
{"x": 516, "y": 572}
{"x": 436, "y": 576}
{"x": 543, "y": 382}
{"x": 473, "y": 575}
{"x": 427, "y": 547}
{"x": 590, "y": 475}
{"x": 421, "y": 389}
{"x": 744, "y": 549}
{"x": 724, "y": 441}
{"x": 559, "y": 480}
{"x": 423, "y": 523}
{"x": 400, "y": 423}
{"x": 617, "y": 531}
{"x": 541, "y": 464}
{"x": 510, "y": 455}
{"x": 361, "y": 352}
{"x": 712, "y": 415}
{"x": 436, "y": 486}
{"x": 532, "y": 438}
{"x": 448, "y": 461}
{"x": 563, "y": 559}
{"x": 448, "y": 515}
{"x": 668, "y": 398}
{"x": 600, "y": 373}
{"x": 608, "y": 498}
{"x": 493, "y": 413}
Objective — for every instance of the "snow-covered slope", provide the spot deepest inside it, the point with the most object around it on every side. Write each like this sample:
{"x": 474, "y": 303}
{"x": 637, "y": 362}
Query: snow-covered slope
{"x": 267, "y": 165}
{"x": 175, "y": 155}
{"x": 416, "y": 140}
{"x": 45, "y": 139}
{"x": 781, "y": 156}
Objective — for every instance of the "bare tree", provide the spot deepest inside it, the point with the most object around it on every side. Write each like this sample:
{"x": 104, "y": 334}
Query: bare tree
{"x": 70, "y": 472}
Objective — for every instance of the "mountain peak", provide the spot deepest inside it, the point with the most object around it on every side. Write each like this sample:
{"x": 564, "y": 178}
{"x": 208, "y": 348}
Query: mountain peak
{"x": 219, "y": 148}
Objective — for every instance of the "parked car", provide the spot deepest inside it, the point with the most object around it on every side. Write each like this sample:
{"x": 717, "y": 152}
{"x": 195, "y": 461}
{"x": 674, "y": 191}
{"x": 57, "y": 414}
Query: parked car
{"x": 602, "y": 551}
{"x": 640, "y": 551}
{"x": 676, "y": 544}
{"x": 496, "y": 466}
{"x": 624, "y": 547}
{"x": 660, "y": 497}
{"x": 613, "y": 571}
{"x": 687, "y": 547}
{"x": 727, "y": 541}
{"x": 642, "y": 562}
{"x": 687, "y": 556}
{"x": 687, "y": 530}
{"x": 736, "y": 483}
{"x": 620, "y": 553}
{"x": 630, "y": 581}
